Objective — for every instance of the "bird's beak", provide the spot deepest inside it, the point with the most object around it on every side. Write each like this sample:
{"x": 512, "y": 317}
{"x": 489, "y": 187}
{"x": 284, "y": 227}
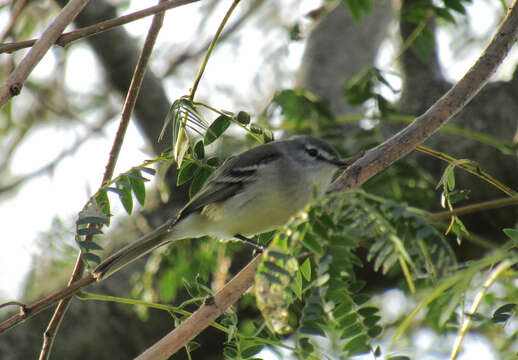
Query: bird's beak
{"x": 345, "y": 163}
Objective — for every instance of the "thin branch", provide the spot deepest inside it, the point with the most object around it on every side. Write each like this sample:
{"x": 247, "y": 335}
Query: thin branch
{"x": 22, "y": 306}
{"x": 211, "y": 47}
{"x": 226, "y": 33}
{"x": 205, "y": 315}
{"x": 53, "y": 327}
{"x": 469, "y": 167}
{"x": 15, "y": 12}
{"x": 133, "y": 92}
{"x": 424, "y": 126}
{"x": 40, "y": 305}
{"x": 68, "y": 37}
{"x": 463, "y": 330}
{"x": 128, "y": 107}
{"x": 13, "y": 85}
{"x": 469, "y": 209}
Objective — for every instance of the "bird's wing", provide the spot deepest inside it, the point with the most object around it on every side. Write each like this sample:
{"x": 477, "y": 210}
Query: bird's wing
{"x": 230, "y": 178}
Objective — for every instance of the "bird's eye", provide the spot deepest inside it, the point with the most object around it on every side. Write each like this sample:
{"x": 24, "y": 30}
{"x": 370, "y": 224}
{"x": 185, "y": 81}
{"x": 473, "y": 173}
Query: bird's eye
{"x": 312, "y": 152}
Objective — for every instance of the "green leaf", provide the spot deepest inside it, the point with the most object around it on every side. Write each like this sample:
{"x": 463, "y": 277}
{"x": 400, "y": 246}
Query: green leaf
{"x": 312, "y": 243}
{"x": 256, "y": 129}
{"x": 444, "y": 14}
{"x": 358, "y": 7}
{"x": 503, "y": 313}
{"x": 278, "y": 255}
{"x": 312, "y": 328}
{"x": 92, "y": 220}
{"x": 251, "y": 350}
{"x": 367, "y": 311}
{"x": 171, "y": 114}
{"x": 451, "y": 180}
{"x": 371, "y": 320}
{"x": 374, "y": 331}
{"x": 423, "y": 45}
{"x": 123, "y": 182}
{"x": 360, "y": 299}
{"x": 229, "y": 352}
{"x": 305, "y": 269}
{"x": 271, "y": 278}
{"x": 199, "y": 150}
{"x": 217, "y": 128}
{"x": 242, "y": 117}
{"x": 296, "y": 285}
{"x": 186, "y": 172}
{"x": 319, "y": 228}
{"x": 90, "y": 245}
{"x": 273, "y": 267}
{"x": 117, "y": 191}
{"x": 89, "y": 231}
{"x": 357, "y": 286}
{"x": 91, "y": 257}
{"x": 213, "y": 161}
{"x": 295, "y": 32}
{"x": 267, "y": 135}
{"x": 147, "y": 170}
{"x": 455, "y": 5}
{"x": 125, "y": 194}
{"x": 360, "y": 87}
{"x": 135, "y": 174}
{"x": 298, "y": 106}
{"x": 348, "y": 320}
{"x": 357, "y": 345}
{"x": 137, "y": 184}
{"x": 351, "y": 331}
{"x": 343, "y": 309}
{"x": 199, "y": 179}
{"x": 512, "y": 234}
{"x": 103, "y": 201}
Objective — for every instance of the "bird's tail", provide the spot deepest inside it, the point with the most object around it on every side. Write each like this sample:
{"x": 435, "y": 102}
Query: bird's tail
{"x": 132, "y": 252}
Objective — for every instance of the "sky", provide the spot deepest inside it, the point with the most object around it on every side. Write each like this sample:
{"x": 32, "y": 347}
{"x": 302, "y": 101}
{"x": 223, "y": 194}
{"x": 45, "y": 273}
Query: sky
{"x": 63, "y": 192}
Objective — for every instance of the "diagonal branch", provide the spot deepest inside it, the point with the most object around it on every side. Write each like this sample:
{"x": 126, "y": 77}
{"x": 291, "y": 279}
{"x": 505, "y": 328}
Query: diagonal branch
{"x": 68, "y": 37}
{"x": 205, "y": 315}
{"x": 424, "y": 126}
{"x": 14, "y": 83}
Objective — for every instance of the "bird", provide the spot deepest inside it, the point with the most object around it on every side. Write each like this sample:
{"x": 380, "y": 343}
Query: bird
{"x": 254, "y": 192}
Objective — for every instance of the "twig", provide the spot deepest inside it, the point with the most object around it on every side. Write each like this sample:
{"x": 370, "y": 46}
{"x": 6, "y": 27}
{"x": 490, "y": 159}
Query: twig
{"x": 15, "y": 12}
{"x": 211, "y": 47}
{"x": 100, "y": 27}
{"x": 14, "y": 83}
{"x": 424, "y": 126}
{"x": 226, "y": 33}
{"x": 129, "y": 104}
{"x": 22, "y": 306}
{"x": 40, "y": 305}
{"x": 475, "y": 170}
{"x": 469, "y": 209}
{"x": 53, "y": 327}
{"x": 178, "y": 140}
{"x": 205, "y": 315}
{"x": 463, "y": 330}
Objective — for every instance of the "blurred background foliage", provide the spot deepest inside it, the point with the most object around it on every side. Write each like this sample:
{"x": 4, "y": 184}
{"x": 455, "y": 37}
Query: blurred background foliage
{"x": 365, "y": 272}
